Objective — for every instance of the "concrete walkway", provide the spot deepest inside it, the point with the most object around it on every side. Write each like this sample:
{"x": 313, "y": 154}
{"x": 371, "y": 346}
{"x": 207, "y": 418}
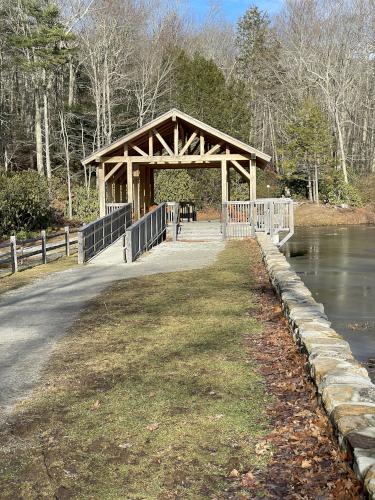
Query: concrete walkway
{"x": 34, "y": 317}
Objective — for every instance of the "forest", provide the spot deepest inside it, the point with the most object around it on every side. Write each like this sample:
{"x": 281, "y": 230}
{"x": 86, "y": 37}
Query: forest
{"x": 77, "y": 74}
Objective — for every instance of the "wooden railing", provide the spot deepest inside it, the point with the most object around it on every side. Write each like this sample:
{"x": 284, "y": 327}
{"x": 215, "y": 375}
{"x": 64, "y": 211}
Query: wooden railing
{"x": 242, "y": 219}
{"x": 98, "y": 235}
{"x": 148, "y": 231}
{"x": 16, "y": 254}
{"x": 111, "y": 207}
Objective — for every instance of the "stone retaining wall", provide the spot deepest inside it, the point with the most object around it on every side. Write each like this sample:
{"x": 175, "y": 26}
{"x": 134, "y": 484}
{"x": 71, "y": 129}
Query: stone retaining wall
{"x": 343, "y": 384}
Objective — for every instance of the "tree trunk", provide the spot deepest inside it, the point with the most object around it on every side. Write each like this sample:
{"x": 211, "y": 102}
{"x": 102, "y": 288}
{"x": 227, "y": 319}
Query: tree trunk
{"x": 316, "y": 184}
{"x": 38, "y": 137}
{"x": 342, "y": 148}
{"x": 309, "y": 187}
{"x": 71, "y": 84}
{"x": 46, "y": 135}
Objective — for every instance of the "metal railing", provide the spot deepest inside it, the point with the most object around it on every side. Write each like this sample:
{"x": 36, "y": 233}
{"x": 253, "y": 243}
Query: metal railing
{"x": 111, "y": 207}
{"x": 99, "y": 234}
{"x": 242, "y": 219}
{"x": 173, "y": 217}
{"x": 148, "y": 231}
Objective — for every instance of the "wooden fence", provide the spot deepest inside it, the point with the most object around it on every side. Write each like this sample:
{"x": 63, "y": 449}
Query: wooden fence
{"x": 242, "y": 219}
{"x": 16, "y": 254}
{"x": 148, "y": 231}
{"x": 99, "y": 234}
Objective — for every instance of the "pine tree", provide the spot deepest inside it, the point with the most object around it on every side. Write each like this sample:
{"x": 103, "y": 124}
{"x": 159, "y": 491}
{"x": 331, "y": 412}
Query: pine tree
{"x": 40, "y": 49}
{"x": 308, "y": 145}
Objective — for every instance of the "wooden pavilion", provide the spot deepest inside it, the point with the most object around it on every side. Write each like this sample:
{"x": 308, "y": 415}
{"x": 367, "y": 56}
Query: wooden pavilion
{"x": 174, "y": 140}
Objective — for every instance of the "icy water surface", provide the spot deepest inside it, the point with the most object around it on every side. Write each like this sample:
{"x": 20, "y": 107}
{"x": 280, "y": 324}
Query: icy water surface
{"x": 338, "y": 265}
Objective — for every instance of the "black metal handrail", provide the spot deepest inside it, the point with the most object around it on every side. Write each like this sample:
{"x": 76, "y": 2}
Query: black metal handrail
{"x": 99, "y": 234}
{"x": 148, "y": 231}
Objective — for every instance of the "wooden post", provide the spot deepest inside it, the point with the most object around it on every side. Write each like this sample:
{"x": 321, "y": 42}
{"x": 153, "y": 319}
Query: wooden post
{"x": 101, "y": 175}
{"x": 142, "y": 187}
{"x": 81, "y": 255}
{"x": 152, "y": 186}
{"x": 44, "y": 246}
{"x": 175, "y": 138}
{"x": 228, "y": 182}
{"x": 13, "y": 253}
{"x": 129, "y": 178}
{"x": 224, "y": 219}
{"x": 253, "y": 180}
{"x": 136, "y": 193}
{"x": 67, "y": 241}
{"x": 224, "y": 187}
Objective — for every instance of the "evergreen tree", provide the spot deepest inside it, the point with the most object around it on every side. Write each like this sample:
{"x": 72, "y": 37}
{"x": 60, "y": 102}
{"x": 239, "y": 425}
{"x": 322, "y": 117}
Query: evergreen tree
{"x": 307, "y": 149}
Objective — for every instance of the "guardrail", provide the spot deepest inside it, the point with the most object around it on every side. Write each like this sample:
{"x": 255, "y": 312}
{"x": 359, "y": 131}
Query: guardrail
{"x": 111, "y": 207}
{"x": 173, "y": 217}
{"x": 242, "y": 219}
{"x": 99, "y": 234}
{"x": 148, "y": 231}
{"x": 22, "y": 253}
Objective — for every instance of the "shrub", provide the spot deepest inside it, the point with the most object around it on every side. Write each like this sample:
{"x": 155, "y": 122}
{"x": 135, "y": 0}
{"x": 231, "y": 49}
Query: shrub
{"x": 85, "y": 204}
{"x": 335, "y": 191}
{"x": 24, "y": 202}
{"x": 173, "y": 185}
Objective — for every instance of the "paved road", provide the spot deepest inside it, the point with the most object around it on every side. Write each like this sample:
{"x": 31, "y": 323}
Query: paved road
{"x": 34, "y": 317}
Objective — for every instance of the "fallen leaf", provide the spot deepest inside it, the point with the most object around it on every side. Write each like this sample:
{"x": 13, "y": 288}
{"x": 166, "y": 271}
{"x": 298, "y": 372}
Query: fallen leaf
{"x": 95, "y": 406}
{"x": 247, "y": 479}
{"x": 306, "y": 464}
{"x": 153, "y": 427}
{"x": 234, "y": 473}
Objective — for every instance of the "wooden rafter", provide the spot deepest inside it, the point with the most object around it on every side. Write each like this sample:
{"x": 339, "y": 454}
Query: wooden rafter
{"x": 113, "y": 171}
{"x": 201, "y": 144}
{"x": 214, "y": 148}
{"x": 182, "y": 119}
{"x": 242, "y": 170}
{"x": 162, "y": 142}
{"x": 189, "y": 142}
{"x": 176, "y": 159}
{"x": 138, "y": 149}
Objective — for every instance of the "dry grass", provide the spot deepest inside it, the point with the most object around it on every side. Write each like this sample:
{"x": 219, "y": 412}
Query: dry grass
{"x": 309, "y": 214}
{"x": 13, "y": 281}
{"x": 152, "y": 395}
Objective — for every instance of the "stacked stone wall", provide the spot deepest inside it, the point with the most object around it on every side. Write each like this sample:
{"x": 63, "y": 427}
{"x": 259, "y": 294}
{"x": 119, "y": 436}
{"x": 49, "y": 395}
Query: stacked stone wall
{"x": 343, "y": 385}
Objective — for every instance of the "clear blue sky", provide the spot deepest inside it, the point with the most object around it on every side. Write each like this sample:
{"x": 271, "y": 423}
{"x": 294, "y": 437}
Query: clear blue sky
{"x": 232, "y": 9}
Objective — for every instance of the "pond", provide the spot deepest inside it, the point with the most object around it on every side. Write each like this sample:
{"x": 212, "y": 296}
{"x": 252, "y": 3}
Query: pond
{"x": 337, "y": 264}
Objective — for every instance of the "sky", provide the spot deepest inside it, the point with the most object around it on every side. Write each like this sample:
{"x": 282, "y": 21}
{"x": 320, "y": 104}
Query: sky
{"x": 233, "y": 9}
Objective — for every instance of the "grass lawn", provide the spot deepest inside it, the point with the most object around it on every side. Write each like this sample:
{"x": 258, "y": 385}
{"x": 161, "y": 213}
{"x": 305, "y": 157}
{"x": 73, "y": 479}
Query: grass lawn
{"x": 13, "y": 281}
{"x": 152, "y": 395}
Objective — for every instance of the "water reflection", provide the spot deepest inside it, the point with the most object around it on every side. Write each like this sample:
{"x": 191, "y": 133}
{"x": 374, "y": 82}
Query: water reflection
{"x": 338, "y": 265}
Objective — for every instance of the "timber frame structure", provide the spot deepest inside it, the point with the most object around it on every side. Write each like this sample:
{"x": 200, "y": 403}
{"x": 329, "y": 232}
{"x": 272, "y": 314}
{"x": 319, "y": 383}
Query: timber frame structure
{"x": 174, "y": 140}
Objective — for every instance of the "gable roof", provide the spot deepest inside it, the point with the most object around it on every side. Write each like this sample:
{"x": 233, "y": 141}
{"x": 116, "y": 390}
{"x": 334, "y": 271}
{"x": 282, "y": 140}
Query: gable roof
{"x": 187, "y": 119}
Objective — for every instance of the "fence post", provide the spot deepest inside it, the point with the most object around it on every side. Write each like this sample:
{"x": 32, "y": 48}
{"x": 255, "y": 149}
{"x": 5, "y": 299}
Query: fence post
{"x": 13, "y": 253}
{"x": 44, "y": 246}
{"x": 253, "y": 216}
{"x": 81, "y": 254}
{"x": 67, "y": 241}
{"x": 128, "y": 246}
{"x": 224, "y": 218}
{"x": 272, "y": 210}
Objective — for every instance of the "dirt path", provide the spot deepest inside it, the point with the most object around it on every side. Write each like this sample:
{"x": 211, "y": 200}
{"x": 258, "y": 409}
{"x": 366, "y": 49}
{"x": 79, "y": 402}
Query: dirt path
{"x": 35, "y": 316}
